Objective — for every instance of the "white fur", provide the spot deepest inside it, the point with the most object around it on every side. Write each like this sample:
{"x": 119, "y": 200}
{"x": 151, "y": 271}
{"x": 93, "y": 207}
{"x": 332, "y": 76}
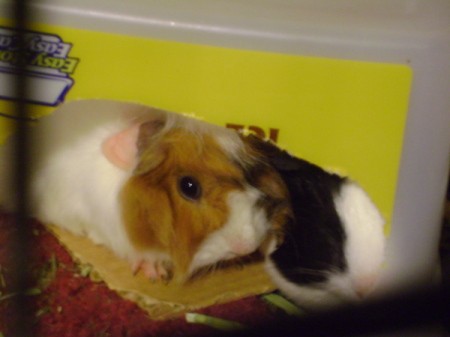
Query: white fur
{"x": 242, "y": 234}
{"x": 227, "y": 139}
{"x": 73, "y": 185}
{"x": 335, "y": 291}
{"x": 365, "y": 245}
{"x": 364, "y": 253}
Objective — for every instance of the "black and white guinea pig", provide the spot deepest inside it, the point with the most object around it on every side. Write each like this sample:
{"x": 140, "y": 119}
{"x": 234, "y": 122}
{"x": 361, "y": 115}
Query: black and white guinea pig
{"x": 333, "y": 246}
{"x": 167, "y": 192}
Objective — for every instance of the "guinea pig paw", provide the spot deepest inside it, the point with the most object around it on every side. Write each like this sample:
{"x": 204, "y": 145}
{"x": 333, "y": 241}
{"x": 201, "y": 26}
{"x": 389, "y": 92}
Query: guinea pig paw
{"x": 154, "y": 270}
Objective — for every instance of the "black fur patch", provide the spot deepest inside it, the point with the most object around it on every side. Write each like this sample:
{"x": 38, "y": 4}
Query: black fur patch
{"x": 314, "y": 240}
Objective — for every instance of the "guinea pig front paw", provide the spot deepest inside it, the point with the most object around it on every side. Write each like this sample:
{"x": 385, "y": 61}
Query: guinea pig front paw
{"x": 154, "y": 269}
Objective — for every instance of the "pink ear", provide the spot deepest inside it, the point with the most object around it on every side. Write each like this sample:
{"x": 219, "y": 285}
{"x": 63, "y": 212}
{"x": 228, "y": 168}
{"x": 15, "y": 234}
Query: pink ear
{"x": 121, "y": 148}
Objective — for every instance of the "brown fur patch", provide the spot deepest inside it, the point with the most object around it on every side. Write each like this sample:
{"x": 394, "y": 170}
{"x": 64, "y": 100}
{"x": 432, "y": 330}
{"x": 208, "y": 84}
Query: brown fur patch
{"x": 157, "y": 216}
{"x": 265, "y": 178}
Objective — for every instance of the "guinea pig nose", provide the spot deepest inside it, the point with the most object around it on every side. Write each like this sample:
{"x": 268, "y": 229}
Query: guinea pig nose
{"x": 364, "y": 285}
{"x": 241, "y": 248}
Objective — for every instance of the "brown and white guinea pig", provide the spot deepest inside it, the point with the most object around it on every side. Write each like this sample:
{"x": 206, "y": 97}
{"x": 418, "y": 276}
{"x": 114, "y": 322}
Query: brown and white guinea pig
{"x": 165, "y": 191}
{"x": 334, "y": 244}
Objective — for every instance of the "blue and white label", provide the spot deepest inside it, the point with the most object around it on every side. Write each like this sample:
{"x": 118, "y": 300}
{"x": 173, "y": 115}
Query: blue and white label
{"x": 48, "y": 66}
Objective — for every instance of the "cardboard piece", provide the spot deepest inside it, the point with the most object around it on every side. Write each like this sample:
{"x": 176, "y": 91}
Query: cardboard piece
{"x": 161, "y": 300}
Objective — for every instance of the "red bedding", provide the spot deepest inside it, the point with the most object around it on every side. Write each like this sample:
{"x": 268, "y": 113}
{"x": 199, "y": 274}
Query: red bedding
{"x": 65, "y": 303}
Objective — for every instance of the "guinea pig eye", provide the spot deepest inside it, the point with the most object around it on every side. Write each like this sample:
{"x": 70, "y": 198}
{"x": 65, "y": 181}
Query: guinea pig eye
{"x": 190, "y": 188}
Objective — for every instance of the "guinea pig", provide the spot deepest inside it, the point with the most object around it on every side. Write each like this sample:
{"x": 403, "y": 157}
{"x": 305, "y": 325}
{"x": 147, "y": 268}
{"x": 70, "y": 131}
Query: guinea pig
{"x": 167, "y": 192}
{"x": 334, "y": 243}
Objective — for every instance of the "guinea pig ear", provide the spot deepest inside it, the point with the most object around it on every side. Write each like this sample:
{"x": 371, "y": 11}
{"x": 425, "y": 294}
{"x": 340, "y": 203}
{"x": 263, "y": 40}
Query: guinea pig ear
{"x": 123, "y": 148}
